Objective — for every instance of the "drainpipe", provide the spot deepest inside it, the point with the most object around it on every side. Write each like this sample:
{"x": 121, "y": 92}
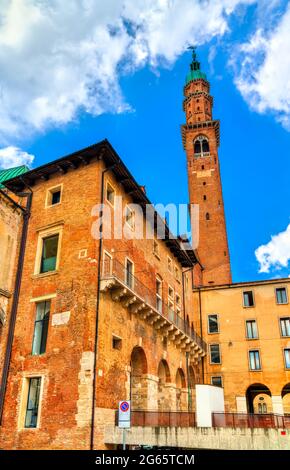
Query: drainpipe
{"x": 6, "y": 365}
{"x": 97, "y": 310}
{"x": 189, "y": 399}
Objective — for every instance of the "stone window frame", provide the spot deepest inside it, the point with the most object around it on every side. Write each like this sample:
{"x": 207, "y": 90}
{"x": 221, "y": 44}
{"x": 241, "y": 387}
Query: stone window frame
{"x": 287, "y": 298}
{"x": 217, "y": 376}
{"x": 132, "y": 217}
{"x": 253, "y": 294}
{"x": 280, "y": 325}
{"x": 260, "y": 359}
{"x": 106, "y": 253}
{"x": 218, "y": 324}
{"x": 246, "y": 329}
{"x": 108, "y": 183}
{"x": 177, "y": 274}
{"x": 169, "y": 263}
{"x": 220, "y": 353}
{"x": 42, "y": 234}
{"x": 284, "y": 357}
{"x": 132, "y": 274}
{"x": 49, "y": 193}
{"x": 24, "y": 398}
{"x": 156, "y": 252}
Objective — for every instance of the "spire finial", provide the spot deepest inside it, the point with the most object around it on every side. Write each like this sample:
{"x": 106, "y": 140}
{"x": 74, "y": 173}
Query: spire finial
{"x": 195, "y": 72}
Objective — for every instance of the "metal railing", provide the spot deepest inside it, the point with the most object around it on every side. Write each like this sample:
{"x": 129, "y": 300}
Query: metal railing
{"x": 113, "y": 268}
{"x": 248, "y": 420}
{"x": 144, "y": 418}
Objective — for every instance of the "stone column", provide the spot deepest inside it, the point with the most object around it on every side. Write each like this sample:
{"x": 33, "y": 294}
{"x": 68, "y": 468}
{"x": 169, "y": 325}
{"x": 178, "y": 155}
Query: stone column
{"x": 241, "y": 404}
{"x": 277, "y": 403}
{"x": 152, "y": 392}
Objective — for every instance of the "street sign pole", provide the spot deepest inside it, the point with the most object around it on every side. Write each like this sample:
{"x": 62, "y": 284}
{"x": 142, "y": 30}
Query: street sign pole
{"x": 124, "y": 438}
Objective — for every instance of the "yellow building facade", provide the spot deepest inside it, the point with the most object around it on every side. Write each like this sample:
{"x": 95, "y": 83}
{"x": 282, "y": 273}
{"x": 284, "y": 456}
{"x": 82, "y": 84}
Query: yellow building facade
{"x": 247, "y": 329}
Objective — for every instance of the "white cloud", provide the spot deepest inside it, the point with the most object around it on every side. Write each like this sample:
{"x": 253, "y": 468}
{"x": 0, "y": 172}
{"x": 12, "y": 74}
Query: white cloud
{"x": 62, "y": 57}
{"x": 263, "y": 67}
{"x": 14, "y": 156}
{"x": 275, "y": 254}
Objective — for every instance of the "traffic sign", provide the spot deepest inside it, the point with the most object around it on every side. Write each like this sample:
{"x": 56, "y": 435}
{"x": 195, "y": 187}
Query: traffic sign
{"x": 124, "y": 414}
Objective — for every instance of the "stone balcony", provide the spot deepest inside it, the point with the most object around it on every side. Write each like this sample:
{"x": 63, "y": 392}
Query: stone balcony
{"x": 142, "y": 302}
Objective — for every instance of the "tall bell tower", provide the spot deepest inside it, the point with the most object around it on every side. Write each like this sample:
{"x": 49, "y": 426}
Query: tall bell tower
{"x": 200, "y": 137}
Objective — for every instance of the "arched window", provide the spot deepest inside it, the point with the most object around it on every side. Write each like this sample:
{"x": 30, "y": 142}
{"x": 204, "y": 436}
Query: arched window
{"x": 201, "y": 146}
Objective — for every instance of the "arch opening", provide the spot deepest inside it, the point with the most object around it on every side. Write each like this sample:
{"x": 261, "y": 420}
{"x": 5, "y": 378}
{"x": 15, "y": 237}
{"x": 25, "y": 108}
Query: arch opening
{"x": 259, "y": 399}
{"x": 138, "y": 382}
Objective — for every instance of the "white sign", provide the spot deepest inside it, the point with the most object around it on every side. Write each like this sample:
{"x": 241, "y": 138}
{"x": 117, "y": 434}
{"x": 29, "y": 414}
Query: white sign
{"x": 124, "y": 414}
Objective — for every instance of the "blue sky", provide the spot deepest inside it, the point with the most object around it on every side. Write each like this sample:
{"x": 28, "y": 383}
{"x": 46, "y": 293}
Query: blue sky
{"x": 139, "y": 110}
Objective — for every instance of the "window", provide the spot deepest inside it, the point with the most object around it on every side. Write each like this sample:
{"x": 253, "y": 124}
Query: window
{"x": 159, "y": 294}
{"x": 248, "y": 298}
{"x": 255, "y": 362}
{"x": 215, "y": 356}
{"x": 32, "y": 406}
{"x": 170, "y": 292}
{"x": 287, "y": 358}
{"x": 285, "y": 326}
{"x": 130, "y": 217}
{"x": 107, "y": 264}
{"x": 217, "y": 381}
{"x": 281, "y": 296}
{"x": 110, "y": 194}
{"x": 204, "y": 197}
{"x": 169, "y": 264}
{"x": 49, "y": 253}
{"x": 53, "y": 196}
{"x": 262, "y": 408}
{"x": 213, "y": 326}
{"x": 251, "y": 329}
{"x": 129, "y": 274}
{"x": 117, "y": 343}
{"x": 178, "y": 304}
{"x": 156, "y": 248}
{"x": 177, "y": 273}
{"x": 201, "y": 146}
{"x": 207, "y": 216}
{"x": 41, "y": 327}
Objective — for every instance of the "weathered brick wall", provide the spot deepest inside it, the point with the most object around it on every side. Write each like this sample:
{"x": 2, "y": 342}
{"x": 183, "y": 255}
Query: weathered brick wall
{"x": 67, "y": 365}
{"x": 10, "y": 230}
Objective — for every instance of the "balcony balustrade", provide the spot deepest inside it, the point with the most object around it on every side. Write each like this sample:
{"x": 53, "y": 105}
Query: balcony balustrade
{"x": 143, "y": 302}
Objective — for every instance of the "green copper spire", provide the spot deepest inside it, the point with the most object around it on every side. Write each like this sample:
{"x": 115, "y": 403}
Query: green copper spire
{"x": 195, "y": 72}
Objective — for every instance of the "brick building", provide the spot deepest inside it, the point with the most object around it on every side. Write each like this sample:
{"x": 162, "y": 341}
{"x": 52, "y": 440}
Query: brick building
{"x": 103, "y": 318}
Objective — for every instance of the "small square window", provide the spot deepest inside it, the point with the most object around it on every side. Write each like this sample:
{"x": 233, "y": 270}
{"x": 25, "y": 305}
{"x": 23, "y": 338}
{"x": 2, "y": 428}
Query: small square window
{"x": 117, "y": 343}
{"x": 248, "y": 297}
{"x": 281, "y": 296}
{"x": 53, "y": 196}
{"x": 213, "y": 326}
{"x": 110, "y": 194}
{"x": 169, "y": 264}
{"x": 217, "y": 381}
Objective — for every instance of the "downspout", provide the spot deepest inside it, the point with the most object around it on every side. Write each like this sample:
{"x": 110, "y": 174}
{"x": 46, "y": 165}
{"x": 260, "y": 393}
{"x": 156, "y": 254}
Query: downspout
{"x": 11, "y": 330}
{"x": 97, "y": 310}
{"x": 189, "y": 399}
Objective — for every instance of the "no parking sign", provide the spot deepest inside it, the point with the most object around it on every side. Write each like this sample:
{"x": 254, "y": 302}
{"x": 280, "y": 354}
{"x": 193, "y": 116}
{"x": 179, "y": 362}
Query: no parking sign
{"x": 124, "y": 414}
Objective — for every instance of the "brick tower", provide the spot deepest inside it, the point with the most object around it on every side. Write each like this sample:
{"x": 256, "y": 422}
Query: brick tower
{"x": 200, "y": 137}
